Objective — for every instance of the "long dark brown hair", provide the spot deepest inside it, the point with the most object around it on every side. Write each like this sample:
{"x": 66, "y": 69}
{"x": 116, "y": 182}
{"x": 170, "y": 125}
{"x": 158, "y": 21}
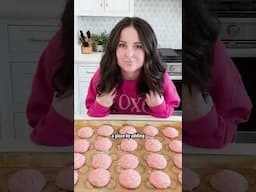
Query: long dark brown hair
{"x": 199, "y": 34}
{"x": 152, "y": 73}
{"x": 63, "y": 77}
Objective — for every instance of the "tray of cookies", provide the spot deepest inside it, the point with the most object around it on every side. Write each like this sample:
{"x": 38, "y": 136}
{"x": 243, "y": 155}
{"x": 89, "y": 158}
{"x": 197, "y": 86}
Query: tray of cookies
{"x": 127, "y": 155}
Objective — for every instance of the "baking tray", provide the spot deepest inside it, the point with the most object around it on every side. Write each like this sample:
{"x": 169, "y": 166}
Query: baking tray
{"x": 206, "y": 165}
{"x": 49, "y": 164}
{"x": 115, "y": 153}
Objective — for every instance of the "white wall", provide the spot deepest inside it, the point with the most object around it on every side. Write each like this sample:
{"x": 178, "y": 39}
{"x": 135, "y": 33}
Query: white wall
{"x": 165, "y": 16}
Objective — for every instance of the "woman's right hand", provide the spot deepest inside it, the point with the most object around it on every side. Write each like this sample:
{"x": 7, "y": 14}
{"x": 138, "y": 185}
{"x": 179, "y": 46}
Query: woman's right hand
{"x": 106, "y": 99}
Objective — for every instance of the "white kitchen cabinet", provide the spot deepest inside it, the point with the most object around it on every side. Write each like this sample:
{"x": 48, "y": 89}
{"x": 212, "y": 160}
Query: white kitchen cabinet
{"x": 104, "y": 7}
{"x": 83, "y": 75}
{"x": 25, "y": 43}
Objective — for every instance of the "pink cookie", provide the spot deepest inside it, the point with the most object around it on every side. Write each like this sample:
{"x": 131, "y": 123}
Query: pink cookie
{"x": 99, "y": 177}
{"x": 101, "y": 160}
{"x": 79, "y": 160}
{"x": 103, "y": 144}
{"x": 176, "y": 145}
{"x": 129, "y": 145}
{"x": 128, "y": 161}
{"x": 127, "y": 129}
{"x": 81, "y": 145}
{"x": 27, "y": 180}
{"x": 76, "y": 176}
{"x": 159, "y": 180}
{"x": 180, "y": 177}
{"x": 170, "y": 132}
{"x": 156, "y": 161}
{"x": 105, "y": 130}
{"x": 153, "y": 145}
{"x": 177, "y": 160}
{"x": 150, "y": 130}
{"x": 85, "y": 132}
{"x": 64, "y": 178}
{"x": 229, "y": 181}
{"x": 191, "y": 179}
{"x": 130, "y": 179}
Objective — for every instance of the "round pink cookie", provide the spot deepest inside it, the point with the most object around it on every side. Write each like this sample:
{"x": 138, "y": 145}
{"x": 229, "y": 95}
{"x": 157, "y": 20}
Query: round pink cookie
{"x": 229, "y": 181}
{"x": 153, "y": 145}
{"x": 79, "y": 160}
{"x": 130, "y": 179}
{"x": 81, "y": 145}
{"x": 99, "y": 177}
{"x": 159, "y": 180}
{"x": 190, "y": 179}
{"x": 176, "y": 146}
{"x": 180, "y": 176}
{"x": 156, "y": 161}
{"x": 128, "y": 145}
{"x": 170, "y": 132}
{"x": 64, "y": 178}
{"x": 128, "y": 161}
{"x": 105, "y": 130}
{"x": 76, "y": 176}
{"x": 27, "y": 180}
{"x": 85, "y": 132}
{"x": 150, "y": 130}
{"x": 101, "y": 160}
{"x": 103, "y": 144}
{"x": 177, "y": 160}
{"x": 127, "y": 129}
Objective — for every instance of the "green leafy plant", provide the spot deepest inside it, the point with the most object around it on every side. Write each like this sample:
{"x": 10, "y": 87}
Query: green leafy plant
{"x": 99, "y": 39}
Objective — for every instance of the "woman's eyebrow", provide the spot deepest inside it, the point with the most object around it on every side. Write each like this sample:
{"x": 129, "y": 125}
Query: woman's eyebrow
{"x": 138, "y": 42}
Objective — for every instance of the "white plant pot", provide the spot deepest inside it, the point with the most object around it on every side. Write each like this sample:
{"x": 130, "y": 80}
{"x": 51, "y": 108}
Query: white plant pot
{"x": 99, "y": 48}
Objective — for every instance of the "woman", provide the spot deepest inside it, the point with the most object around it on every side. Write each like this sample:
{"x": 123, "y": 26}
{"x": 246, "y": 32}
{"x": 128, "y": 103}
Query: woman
{"x": 131, "y": 78}
{"x": 214, "y": 97}
{"x": 50, "y": 106}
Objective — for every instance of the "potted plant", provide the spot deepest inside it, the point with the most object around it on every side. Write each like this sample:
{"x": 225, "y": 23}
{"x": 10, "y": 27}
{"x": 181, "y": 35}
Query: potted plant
{"x": 99, "y": 41}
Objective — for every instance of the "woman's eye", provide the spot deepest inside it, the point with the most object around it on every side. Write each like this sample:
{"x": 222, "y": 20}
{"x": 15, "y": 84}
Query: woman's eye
{"x": 138, "y": 46}
{"x": 121, "y": 45}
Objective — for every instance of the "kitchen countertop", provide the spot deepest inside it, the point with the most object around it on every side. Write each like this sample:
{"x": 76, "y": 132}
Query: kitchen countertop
{"x": 28, "y": 146}
{"x": 176, "y": 117}
{"x": 230, "y": 149}
{"x": 94, "y": 57}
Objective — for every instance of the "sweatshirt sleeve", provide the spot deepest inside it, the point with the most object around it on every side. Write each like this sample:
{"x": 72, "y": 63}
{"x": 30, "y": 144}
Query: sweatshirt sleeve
{"x": 94, "y": 109}
{"x": 48, "y": 127}
{"x": 171, "y": 100}
{"x": 231, "y": 106}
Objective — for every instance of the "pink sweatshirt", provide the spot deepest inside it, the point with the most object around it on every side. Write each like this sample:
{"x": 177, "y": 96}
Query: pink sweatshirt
{"x": 128, "y": 101}
{"x": 48, "y": 127}
{"x": 231, "y": 106}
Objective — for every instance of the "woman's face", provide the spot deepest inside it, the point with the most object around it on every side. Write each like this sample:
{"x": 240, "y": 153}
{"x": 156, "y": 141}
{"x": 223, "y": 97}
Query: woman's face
{"x": 130, "y": 53}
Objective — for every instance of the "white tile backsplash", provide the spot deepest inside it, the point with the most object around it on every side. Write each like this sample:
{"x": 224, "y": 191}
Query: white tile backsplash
{"x": 164, "y": 16}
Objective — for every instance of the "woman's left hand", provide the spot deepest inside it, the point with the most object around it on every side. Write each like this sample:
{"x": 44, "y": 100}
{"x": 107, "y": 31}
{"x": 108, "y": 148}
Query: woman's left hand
{"x": 64, "y": 105}
{"x": 153, "y": 99}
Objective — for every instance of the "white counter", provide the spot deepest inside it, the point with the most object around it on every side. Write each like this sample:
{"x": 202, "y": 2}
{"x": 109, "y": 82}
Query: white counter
{"x": 29, "y": 146}
{"x": 175, "y": 117}
{"x": 230, "y": 149}
{"x": 90, "y": 58}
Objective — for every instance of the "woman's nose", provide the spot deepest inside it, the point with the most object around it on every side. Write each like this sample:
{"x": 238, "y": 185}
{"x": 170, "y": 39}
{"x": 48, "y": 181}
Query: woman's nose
{"x": 129, "y": 52}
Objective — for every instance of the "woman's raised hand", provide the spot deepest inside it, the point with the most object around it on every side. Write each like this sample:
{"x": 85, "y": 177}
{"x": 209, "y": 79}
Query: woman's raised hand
{"x": 153, "y": 99}
{"x": 106, "y": 99}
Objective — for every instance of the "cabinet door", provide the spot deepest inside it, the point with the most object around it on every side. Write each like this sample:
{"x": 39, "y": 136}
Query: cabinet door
{"x": 119, "y": 8}
{"x": 89, "y": 7}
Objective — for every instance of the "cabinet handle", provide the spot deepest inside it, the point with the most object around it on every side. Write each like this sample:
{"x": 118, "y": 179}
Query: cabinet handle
{"x": 101, "y": 3}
